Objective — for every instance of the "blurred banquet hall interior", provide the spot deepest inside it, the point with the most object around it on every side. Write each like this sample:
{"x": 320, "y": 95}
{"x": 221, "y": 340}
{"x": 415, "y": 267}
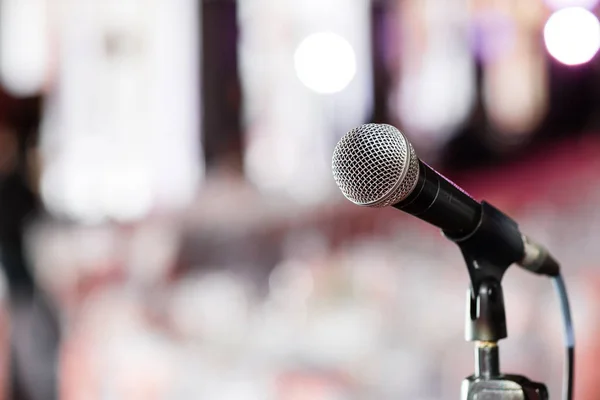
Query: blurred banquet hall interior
{"x": 170, "y": 227}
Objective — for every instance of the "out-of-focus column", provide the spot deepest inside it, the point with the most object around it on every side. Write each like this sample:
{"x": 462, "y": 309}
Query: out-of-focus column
{"x": 305, "y": 68}
{"x": 120, "y": 136}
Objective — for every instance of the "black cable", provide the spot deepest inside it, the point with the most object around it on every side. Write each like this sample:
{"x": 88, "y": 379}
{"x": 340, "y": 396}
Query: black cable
{"x": 561, "y": 290}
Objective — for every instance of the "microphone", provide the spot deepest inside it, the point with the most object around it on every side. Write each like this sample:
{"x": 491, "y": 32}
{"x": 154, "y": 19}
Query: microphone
{"x": 374, "y": 165}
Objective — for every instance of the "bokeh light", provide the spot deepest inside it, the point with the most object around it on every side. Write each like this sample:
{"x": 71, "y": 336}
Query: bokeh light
{"x": 325, "y": 62}
{"x": 572, "y": 35}
{"x": 24, "y": 47}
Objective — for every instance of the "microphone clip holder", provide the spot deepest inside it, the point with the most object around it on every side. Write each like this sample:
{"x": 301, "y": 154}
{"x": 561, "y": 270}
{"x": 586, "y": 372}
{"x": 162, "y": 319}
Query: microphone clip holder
{"x": 493, "y": 246}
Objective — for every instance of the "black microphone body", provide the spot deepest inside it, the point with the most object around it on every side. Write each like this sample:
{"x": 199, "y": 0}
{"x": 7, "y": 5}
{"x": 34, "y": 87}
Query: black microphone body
{"x": 440, "y": 202}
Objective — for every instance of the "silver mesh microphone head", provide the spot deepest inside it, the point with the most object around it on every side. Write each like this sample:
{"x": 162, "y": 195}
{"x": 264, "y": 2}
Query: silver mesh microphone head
{"x": 375, "y": 166}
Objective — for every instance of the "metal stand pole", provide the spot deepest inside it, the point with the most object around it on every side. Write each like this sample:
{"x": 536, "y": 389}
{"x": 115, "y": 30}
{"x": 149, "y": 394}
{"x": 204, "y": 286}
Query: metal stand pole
{"x": 486, "y": 325}
{"x": 489, "y": 251}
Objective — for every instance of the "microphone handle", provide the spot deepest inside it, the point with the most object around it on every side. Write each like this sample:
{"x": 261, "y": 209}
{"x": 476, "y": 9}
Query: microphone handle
{"x": 440, "y": 202}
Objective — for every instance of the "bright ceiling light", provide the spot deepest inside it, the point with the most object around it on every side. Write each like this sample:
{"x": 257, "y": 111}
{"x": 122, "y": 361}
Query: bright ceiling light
{"x": 24, "y": 56}
{"x": 572, "y": 35}
{"x": 325, "y": 62}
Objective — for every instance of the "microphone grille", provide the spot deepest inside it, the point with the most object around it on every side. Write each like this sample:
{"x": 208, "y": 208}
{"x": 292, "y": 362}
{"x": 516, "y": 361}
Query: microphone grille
{"x": 375, "y": 166}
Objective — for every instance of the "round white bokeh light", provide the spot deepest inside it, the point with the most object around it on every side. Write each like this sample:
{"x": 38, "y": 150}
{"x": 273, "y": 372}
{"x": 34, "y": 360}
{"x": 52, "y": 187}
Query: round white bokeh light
{"x": 572, "y": 35}
{"x": 325, "y": 62}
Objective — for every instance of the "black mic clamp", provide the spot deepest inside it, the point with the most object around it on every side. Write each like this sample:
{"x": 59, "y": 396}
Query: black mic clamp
{"x": 489, "y": 250}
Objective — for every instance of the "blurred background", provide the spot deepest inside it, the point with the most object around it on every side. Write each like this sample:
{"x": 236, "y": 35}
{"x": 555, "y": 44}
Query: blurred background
{"x": 170, "y": 227}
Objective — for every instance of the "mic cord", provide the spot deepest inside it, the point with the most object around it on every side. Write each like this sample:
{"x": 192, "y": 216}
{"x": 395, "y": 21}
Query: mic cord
{"x": 561, "y": 290}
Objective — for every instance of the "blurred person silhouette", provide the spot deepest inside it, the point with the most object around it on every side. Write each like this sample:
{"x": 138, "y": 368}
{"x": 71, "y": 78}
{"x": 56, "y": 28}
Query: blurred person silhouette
{"x": 34, "y": 328}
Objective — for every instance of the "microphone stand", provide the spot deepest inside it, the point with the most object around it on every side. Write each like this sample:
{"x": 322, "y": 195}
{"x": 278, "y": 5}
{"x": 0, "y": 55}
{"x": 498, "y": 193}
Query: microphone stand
{"x": 488, "y": 251}
{"x": 486, "y": 325}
